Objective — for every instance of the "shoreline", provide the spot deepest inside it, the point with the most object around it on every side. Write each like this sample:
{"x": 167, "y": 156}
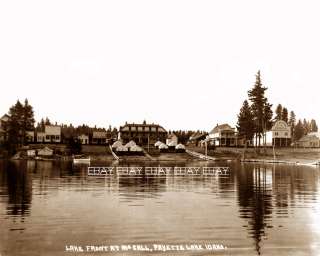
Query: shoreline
{"x": 282, "y": 155}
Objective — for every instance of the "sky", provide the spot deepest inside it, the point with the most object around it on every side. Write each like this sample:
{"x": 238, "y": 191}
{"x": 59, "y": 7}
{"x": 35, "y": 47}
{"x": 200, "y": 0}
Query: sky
{"x": 182, "y": 64}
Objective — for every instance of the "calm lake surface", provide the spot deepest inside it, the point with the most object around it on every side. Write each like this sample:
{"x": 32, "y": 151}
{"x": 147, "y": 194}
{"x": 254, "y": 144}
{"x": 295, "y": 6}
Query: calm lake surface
{"x": 254, "y": 209}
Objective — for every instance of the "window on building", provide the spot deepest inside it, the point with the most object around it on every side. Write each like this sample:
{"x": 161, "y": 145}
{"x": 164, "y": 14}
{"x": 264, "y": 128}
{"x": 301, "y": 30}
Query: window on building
{"x": 47, "y": 137}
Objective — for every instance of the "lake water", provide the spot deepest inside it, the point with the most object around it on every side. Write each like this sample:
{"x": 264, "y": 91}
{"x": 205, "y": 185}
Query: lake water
{"x": 254, "y": 209}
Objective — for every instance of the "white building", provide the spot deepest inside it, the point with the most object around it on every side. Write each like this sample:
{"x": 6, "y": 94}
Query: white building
{"x": 223, "y": 135}
{"x": 41, "y": 136}
{"x": 172, "y": 140}
{"x": 53, "y": 133}
{"x": 279, "y": 135}
{"x": 84, "y": 139}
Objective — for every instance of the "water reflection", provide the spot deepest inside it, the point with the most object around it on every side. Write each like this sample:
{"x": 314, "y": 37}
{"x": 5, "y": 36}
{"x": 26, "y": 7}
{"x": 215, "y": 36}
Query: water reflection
{"x": 255, "y": 200}
{"x": 18, "y": 183}
{"x": 265, "y": 203}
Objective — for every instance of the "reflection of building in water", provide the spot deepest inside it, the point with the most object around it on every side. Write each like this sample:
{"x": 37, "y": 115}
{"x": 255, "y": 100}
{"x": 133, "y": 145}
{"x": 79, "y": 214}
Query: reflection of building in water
{"x": 132, "y": 189}
{"x": 255, "y": 200}
{"x": 19, "y": 184}
{"x": 290, "y": 183}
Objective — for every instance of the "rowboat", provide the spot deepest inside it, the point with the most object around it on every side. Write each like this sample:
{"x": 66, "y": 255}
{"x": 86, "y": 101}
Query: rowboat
{"x": 81, "y": 160}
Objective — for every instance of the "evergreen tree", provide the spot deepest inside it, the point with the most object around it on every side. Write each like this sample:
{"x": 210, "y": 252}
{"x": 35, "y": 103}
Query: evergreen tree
{"x": 298, "y": 130}
{"x": 21, "y": 120}
{"x": 292, "y": 123}
{"x": 260, "y": 107}
{"x": 313, "y": 126}
{"x": 74, "y": 146}
{"x": 278, "y": 112}
{"x": 27, "y": 119}
{"x": 245, "y": 125}
{"x": 306, "y": 126}
{"x": 47, "y": 122}
{"x": 284, "y": 116}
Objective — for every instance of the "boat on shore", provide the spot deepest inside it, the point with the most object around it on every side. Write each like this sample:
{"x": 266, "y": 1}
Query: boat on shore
{"x": 80, "y": 159}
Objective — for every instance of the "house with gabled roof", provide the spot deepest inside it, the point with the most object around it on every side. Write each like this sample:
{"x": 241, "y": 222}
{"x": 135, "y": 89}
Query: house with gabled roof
{"x": 197, "y": 137}
{"x": 99, "y": 137}
{"x": 223, "y": 135}
{"x": 143, "y": 133}
{"x": 311, "y": 140}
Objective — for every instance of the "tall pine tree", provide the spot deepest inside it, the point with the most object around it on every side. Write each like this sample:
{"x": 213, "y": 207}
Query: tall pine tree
{"x": 292, "y": 123}
{"x": 298, "y": 131}
{"x": 278, "y": 112}
{"x": 284, "y": 116}
{"x": 21, "y": 120}
{"x": 313, "y": 126}
{"x": 245, "y": 123}
{"x": 261, "y": 109}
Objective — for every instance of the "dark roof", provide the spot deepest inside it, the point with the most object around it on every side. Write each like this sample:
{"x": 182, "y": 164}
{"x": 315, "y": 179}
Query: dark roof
{"x": 198, "y": 135}
{"x": 221, "y": 127}
{"x": 143, "y": 125}
{"x": 5, "y": 116}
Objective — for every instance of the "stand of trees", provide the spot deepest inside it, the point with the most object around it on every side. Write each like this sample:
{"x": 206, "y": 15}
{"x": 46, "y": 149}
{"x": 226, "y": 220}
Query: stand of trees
{"x": 20, "y": 121}
{"x": 298, "y": 129}
{"x": 304, "y": 127}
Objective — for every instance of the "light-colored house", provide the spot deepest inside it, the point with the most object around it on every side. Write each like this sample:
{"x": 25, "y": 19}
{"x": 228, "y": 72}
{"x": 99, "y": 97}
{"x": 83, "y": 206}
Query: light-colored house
{"x": 53, "y": 133}
{"x": 223, "y": 135}
{"x": 99, "y": 138}
{"x": 84, "y": 139}
{"x": 41, "y": 136}
{"x": 311, "y": 140}
{"x": 45, "y": 152}
{"x": 172, "y": 140}
{"x": 279, "y": 135}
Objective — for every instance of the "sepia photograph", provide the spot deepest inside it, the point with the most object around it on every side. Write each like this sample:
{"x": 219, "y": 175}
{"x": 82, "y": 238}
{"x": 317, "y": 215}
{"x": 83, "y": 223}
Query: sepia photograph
{"x": 159, "y": 128}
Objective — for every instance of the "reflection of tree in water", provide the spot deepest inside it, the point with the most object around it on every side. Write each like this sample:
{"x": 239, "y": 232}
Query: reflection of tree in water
{"x": 226, "y": 183}
{"x": 255, "y": 201}
{"x": 19, "y": 186}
